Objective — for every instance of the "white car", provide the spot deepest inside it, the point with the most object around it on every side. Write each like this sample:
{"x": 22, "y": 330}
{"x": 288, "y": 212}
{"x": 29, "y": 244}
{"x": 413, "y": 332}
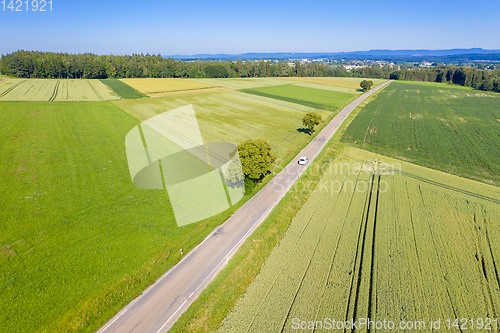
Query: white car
{"x": 303, "y": 160}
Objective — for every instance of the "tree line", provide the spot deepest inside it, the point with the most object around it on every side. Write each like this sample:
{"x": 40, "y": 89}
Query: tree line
{"x": 482, "y": 79}
{"x": 32, "y": 64}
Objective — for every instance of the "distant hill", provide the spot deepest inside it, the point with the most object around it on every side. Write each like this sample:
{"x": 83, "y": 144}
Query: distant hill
{"x": 464, "y": 54}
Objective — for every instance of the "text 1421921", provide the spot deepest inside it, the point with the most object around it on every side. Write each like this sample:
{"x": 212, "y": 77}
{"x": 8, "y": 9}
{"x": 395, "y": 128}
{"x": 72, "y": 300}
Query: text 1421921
{"x": 26, "y": 5}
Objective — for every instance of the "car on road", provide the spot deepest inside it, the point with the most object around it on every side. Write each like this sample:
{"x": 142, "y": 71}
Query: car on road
{"x": 303, "y": 160}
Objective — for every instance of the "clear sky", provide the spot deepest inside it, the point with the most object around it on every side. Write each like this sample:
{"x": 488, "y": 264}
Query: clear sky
{"x": 190, "y": 27}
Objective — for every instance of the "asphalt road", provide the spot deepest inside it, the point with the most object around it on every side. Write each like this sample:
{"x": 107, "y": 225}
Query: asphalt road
{"x": 159, "y": 306}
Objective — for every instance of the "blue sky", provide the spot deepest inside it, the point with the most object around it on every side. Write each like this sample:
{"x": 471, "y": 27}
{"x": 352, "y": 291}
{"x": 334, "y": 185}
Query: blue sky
{"x": 190, "y": 27}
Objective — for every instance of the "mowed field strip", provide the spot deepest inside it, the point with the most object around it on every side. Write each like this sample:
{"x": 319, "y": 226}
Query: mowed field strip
{"x": 53, "y": 90}
{"x": 157, "y": 86}
{"x": 380, "y": 239}
{"x": 446, "y": 128}
{"x": 122, "y": 89}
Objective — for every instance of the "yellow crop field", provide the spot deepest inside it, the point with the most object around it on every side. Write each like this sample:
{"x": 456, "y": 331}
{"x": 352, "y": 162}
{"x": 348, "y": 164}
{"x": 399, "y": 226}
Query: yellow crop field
{"x": 386, "y": 240}
{"x": 162, "y": 85}
{"x": 53, "y": 90}
{"x": 346, "y": 82}
{"x": 245, "y": 83}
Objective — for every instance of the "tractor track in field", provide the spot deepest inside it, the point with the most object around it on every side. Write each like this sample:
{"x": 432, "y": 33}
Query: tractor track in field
{"x": 352, "y": 302}
{"x": 54, "y": 93}
{"x": 11, "y": 88}
{"x": 371, "y": 292}
{"x": 365, "y": 252}
{"x": 95, "y": 91}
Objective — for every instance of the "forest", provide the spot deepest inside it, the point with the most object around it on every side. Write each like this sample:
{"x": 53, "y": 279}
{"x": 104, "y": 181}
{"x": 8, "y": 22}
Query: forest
{"x": 481, "y": 79}
{"x": 33, "y": 64}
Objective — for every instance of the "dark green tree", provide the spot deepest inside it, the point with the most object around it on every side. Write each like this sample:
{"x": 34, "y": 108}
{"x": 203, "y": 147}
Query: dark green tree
{"x": 486, "y": 85}
{"x": 366, "y": 85}
{"x": 310, "y": 120}
{"x": 256, "y": 159}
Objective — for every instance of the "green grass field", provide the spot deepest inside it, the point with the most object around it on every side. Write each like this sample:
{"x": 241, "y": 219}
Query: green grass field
{"x": 122, "y": 89}
{"x": 370, "y": 243}
{"x": 54, "y": 90}
{"x": 315, "y": 98}
{"x": 77, "y": 240}
{"x": 234, "y": 117}
{"x": 435, "y": 125}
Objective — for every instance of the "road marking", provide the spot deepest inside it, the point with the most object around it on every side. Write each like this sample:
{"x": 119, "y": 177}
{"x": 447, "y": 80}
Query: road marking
{"x": 111, "y": 323}
{"x": 172, "y": 316}
{"x": 216, "y": 267}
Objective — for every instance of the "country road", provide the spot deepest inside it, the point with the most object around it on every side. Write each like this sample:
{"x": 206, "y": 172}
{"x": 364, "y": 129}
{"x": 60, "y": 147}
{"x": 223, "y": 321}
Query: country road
{"x": 159, "y": 306}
